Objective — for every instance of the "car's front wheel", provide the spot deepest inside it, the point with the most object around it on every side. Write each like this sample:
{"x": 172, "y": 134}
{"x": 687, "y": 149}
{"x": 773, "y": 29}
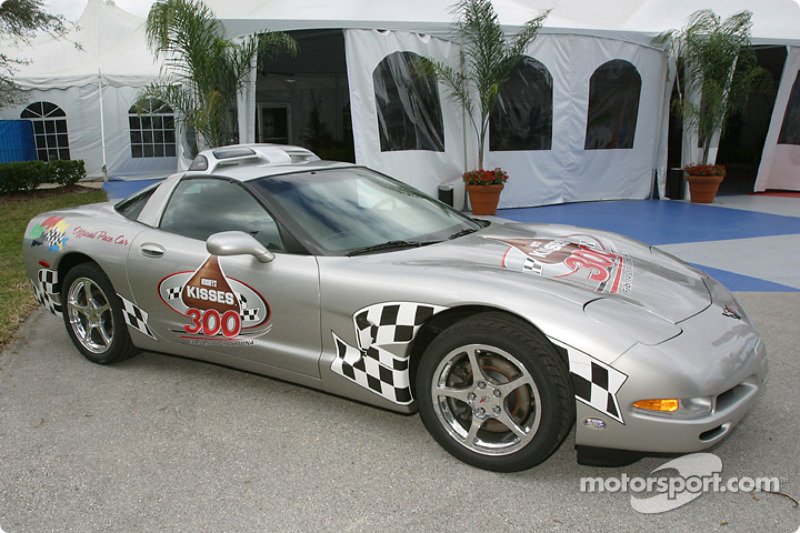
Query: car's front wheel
{"x": 93, "y": 315}
{"x": 493, "y": 391}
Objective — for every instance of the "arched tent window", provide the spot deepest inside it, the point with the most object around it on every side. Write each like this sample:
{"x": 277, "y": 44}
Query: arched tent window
{"x": 49, "y": 130}
{"x": 523, "y": 116}
{"x": 152, "y": 129}
{"x": 614, "y": 92}
{"x": 408, "y": 106}
{"x": 790, "y": 128}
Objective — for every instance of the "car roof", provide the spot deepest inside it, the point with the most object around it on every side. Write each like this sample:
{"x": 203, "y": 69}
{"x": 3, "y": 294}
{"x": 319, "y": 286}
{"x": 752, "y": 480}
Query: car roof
{"x": 245, "y": 162}
{"x": 253, "y": 172}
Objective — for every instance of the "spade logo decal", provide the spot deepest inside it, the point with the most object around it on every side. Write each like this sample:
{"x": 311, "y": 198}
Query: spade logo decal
{"x": 216, "y": 307}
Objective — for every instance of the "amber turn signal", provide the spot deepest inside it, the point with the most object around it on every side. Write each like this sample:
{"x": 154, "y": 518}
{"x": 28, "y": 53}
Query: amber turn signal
{"x": 667, "y": 405}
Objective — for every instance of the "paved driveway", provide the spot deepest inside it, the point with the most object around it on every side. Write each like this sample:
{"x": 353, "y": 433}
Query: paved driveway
{"x": 159, "y": 443}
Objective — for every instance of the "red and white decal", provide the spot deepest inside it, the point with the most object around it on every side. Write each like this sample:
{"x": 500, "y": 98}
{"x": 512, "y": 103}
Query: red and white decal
{"x": 583, "y": 259}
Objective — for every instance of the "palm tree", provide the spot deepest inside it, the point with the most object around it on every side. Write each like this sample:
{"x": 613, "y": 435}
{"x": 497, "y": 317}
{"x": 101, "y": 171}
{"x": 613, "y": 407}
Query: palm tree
{"x": 488, "y": 60}
{"x": 205, "y": 69}
{"x": 715, "y": 59}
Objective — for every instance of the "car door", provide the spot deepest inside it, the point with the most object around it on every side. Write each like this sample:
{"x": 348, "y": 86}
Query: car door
{"x": 233, "y": 304}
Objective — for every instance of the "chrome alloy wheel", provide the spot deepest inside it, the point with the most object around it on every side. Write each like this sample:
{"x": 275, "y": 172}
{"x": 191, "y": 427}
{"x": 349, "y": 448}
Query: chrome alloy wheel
{"x": 486, "y": 400}
{"x": 90, "y": 315}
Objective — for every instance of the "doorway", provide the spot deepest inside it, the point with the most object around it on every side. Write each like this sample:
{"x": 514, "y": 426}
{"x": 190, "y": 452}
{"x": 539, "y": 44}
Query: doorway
{"x": 742, "y": 142}
{"x": 305, "y": 100}
{"x": 273, "y": 124}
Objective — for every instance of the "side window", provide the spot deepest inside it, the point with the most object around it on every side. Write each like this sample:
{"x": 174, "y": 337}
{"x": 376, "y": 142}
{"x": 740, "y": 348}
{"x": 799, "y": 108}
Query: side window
{"x": 152, "y": 127}
{"x": 199, "y": 208}
{"x": 407, "y": 101}
{"x": 49, "y": 130}
{"x": 523, "y": 116}
{"x": 614, "y": 92}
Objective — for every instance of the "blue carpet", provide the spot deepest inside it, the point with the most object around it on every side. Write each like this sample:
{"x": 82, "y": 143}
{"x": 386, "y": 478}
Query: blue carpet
{"x": 117, "y": 190}
{"x": 742, "y": 283}
{"x": 661, "y": 222}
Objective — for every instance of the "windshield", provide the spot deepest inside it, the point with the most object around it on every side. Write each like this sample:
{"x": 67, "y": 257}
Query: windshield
{"x": 355, "y": 210}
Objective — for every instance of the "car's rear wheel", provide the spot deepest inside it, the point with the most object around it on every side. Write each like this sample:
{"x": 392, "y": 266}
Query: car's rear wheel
{"x": 93, "y": 315}
{"x": 493, "y": 391}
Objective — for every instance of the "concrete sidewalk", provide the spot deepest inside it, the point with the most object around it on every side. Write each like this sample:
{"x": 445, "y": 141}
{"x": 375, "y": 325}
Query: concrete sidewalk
{"x": 159, "y": 443}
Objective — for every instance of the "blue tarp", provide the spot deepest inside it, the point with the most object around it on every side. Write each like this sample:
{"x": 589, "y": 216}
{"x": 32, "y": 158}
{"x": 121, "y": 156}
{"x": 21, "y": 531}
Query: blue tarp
{"x": 16, "y": 141}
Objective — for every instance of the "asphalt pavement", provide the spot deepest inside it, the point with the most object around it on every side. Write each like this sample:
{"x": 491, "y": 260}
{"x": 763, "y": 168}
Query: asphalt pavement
{"x": 159, "y": 443}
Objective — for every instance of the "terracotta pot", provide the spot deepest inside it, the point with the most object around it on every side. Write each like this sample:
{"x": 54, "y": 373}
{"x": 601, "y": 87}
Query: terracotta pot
{"x": 484, "y": 198}
{"x": 703, "y": 189}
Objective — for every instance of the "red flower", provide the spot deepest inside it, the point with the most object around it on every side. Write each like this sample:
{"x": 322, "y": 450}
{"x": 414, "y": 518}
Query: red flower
{"x": 485, "y": 177}
{"x": 705, "y": 170}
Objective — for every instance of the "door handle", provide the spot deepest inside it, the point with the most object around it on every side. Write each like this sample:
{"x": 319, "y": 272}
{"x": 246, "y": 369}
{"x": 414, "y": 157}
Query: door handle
{"x": 151, "y": 249}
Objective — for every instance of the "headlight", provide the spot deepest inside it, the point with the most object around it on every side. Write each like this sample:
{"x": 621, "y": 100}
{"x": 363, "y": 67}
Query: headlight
{"x": 633, "y": 321}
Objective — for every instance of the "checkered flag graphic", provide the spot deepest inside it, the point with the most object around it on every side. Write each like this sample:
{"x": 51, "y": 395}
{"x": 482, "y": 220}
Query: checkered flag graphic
{"x": 532, "y": 265}
{"x": 38, "y": 293}
{"x": 245, "y": 313}
{"x": 53, "y": 235}
{"x": 48, "y": 291}
{"x": 366, "y": 369}
{"x": 392, "y": 323}
{"x": 249, "y": 314}
{"x": 135, "y": 317}
{"x": 382, "y": 332}
{"x": 596, "y": 384}
{"x": 174, "y": 293}
{"x": 48, "y": 279}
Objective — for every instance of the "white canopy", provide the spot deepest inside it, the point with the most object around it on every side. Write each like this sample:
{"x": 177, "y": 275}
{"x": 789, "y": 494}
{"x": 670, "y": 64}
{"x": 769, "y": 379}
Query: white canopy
{"x": 105, "y": 40}
{"x": 773, "y": 20}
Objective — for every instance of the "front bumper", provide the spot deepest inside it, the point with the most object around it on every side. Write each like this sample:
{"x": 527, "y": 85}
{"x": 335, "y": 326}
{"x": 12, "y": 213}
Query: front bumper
{"x": 718, "y": 359}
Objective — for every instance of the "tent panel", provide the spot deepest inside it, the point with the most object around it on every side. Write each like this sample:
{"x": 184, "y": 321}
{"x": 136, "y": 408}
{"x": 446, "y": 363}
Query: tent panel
{"x": 568, "y": 172}
{"x": 423, "y": 169}
{"x": 780, "y": 163}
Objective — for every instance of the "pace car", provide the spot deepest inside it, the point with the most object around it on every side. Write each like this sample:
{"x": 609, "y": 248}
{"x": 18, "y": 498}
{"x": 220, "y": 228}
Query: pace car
{"x": 502, "y": 335}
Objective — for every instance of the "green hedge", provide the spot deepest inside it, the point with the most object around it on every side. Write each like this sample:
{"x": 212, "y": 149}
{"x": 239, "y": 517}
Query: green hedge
{"x": 27, "y": 175}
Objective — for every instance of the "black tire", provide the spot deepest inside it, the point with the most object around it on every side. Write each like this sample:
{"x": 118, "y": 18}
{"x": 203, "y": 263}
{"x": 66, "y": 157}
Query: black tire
{"x": 516, "y": 413}
{"x": 93, "y": 315}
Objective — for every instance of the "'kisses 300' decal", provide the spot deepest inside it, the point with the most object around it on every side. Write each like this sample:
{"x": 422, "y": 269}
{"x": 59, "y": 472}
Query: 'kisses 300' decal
{"x": 217, "y": 308}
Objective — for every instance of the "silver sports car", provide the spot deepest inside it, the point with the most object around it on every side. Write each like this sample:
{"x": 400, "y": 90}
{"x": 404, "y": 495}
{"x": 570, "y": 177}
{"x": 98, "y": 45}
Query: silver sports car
{"x": 502, "y": 335}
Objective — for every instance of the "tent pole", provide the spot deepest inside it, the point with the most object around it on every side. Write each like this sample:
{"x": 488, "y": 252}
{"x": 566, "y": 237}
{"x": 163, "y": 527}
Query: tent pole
{"x": 102, "y": 125}
{"x": 464, "y": 127}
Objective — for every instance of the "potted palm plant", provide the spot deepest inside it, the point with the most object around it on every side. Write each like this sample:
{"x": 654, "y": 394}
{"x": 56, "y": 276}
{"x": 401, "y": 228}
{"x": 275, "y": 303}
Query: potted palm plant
{"x": 488, "y": 57}
{"x": 717, "y": 64}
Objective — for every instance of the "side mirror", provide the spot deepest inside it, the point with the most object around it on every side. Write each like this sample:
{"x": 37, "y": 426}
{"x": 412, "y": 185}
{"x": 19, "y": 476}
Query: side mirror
{"x": 238, "y": 243}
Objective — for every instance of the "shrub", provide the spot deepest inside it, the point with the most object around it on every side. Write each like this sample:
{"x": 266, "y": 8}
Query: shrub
{"x": 22, "y": 176}
{"x": 67, "y": 172}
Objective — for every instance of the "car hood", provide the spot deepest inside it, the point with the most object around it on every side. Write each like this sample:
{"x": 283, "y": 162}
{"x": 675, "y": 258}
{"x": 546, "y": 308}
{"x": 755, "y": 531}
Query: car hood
{"x": 579, "y": 264}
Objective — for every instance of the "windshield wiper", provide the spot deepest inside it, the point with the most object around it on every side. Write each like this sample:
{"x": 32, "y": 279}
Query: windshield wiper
{"x": 391, "y": 245}
{"x": 461, "y": 233}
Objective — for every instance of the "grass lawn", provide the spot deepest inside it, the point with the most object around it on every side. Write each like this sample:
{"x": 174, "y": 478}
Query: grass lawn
{"x": 16, "y": 296}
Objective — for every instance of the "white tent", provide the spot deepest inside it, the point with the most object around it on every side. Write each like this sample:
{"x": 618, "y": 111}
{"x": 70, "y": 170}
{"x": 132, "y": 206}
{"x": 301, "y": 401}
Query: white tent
{"x": 581, "y": 158}
{"x": 579, "y": 37}
{"x": 92, "y": 76}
